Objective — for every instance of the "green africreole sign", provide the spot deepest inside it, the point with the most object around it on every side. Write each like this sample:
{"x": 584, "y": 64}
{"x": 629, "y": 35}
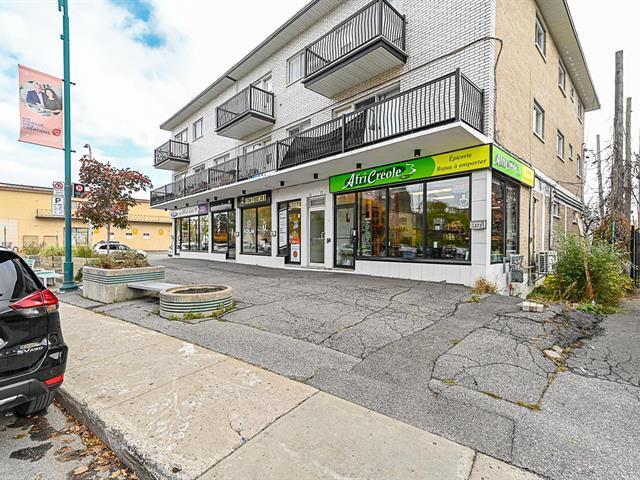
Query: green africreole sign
{"x": 465, "y": 160}
{"x": 511, "y": 166}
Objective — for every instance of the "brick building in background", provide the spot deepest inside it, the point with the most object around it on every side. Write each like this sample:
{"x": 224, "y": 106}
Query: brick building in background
{"x": 429, "y": 140}
{"x": 26, "y": 219}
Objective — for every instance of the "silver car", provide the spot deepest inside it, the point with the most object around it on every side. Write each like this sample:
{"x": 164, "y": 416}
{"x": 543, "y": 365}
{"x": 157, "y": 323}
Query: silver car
{"x": 101, "y": 248}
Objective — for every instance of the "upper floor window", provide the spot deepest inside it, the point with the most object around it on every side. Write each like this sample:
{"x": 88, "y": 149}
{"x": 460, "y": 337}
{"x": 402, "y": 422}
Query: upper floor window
{"x": 555, "y": 209}
{"x": 580, "y": 110}
{"x": 182, "y": 136}
{"x": 198, "y": 168}
{"x": 570, "y": 152}
{"x": 578, "y": 166}
{"x": 197, "y": 129}
{"x": 265, "y": 83}
{"x": 538, "y": 120}
{"x": 295, "y": 67}
{"x": 299, "y": 128}
{"x": 221, "y": 159}
{"x": 256, "y": 146}
{"x": 573, "y": 94}
{"x": 562, "y": 76}
{"x": 541, "y": 36}
{"x": 560, "y": 145}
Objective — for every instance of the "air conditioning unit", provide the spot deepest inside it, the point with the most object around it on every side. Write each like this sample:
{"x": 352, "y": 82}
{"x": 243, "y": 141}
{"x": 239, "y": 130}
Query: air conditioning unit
{"x": 546, "y": 262}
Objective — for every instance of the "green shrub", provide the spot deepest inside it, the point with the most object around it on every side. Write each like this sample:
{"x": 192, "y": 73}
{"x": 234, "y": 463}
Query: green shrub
{"x": 609, "y": 279}
{"x": 31, "y": 249}
{"x": 120, "y": 260}
{"x": 79, "y": 275}
{"x": 83, "y": 251}
{"x": 52, "y": 251}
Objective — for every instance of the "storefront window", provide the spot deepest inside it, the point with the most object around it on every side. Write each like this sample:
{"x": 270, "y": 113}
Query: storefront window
{"x": 406, "y": 221}
{"x": 448, "y": 219}
{"x": 505, "y": 219}
{"x": 192, "y": 233}
{"x": 256, "y": 230}
{"x": 204, "y": 233}
{"x": 373, "y": 223}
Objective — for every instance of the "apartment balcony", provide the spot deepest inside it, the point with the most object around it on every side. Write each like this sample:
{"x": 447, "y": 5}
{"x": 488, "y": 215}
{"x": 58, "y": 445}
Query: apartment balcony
{"x": 172, "y": 155}
{"x": 443, "y": 105}
{"x": 368, "y": 43}
{"x": 245, "y": 113}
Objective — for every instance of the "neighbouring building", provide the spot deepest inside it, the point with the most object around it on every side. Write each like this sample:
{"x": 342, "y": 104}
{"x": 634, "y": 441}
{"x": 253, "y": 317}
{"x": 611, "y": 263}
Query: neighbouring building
{"x": 26, "y": 218}
{"x": 431, "y": 140}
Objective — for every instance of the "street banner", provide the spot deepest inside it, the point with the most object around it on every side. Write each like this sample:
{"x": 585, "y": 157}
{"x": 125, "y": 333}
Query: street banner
{"x": 41, "y": 114}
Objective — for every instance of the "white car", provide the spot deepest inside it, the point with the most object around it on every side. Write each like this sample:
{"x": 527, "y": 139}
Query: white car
{"x": 101, "y": 248}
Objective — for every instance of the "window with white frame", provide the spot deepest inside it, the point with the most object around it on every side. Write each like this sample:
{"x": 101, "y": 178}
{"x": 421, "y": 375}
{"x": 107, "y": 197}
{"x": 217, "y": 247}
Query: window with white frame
{"x": 573, "y": 94}
{"x": 560, "y": 145}
{"x": 298, "y": 128}
{"x": 256, "y": 145}
{"x": 538, "y": 119}
{"x": 555, "y": 209}
{"x": 221, "y": 159}
{"x": 562, "y": 76}
{"x": 265, "y": 83}
{"x": 570, "y": 152}
{"x": 541, "y": 36}
{"x": 295, "y": 67}
{"x": 182, "y": 136}
{"x": 198, "y": 168}
{"x": 578, "y": 166}
{"x": 197, "y": 129}
{"x": 580, "y": 110}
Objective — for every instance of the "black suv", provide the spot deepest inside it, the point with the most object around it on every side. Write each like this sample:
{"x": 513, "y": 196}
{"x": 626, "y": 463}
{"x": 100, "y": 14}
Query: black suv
{"x": 33, "y": 355}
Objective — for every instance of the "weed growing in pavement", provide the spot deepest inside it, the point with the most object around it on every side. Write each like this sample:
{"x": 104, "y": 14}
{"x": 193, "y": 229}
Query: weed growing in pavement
{"x": 482, "y": 286}
{"x": 492, "y": 395}
{"x": 455, "y": 341}
{"x": 531, "y": 406}
{"x": 449, "y": 381}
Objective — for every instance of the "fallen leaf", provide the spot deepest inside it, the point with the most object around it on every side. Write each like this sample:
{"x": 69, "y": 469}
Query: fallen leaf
{"x": 80, "y": 470}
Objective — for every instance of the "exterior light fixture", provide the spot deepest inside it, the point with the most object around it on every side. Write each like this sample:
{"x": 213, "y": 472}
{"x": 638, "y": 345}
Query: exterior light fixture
{"x": 315, "y": 176}
{"x": 416, "y": 152}
{"x": 358, "y": 166}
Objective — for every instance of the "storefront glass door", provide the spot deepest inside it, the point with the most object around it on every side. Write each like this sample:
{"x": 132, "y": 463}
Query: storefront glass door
{"x": 224, "y": 239}
{"x": 345, "y": 230}
{"x": 231, "y": 237}
{"x": 316, "y": 236}
{"x": 295, "y": 227}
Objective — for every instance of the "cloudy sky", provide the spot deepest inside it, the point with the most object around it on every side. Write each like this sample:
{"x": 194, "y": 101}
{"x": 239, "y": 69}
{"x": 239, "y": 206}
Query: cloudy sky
{"x": 135, "y": 62}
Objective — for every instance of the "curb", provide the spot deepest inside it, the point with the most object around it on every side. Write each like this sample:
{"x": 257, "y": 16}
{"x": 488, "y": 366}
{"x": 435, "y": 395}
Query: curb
{"x": 144, "y": 467}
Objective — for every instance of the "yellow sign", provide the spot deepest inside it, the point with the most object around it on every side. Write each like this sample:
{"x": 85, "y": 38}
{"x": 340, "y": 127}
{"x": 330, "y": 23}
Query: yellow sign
{"x": 161, "y": 232}
{"x": 134, "y": 231}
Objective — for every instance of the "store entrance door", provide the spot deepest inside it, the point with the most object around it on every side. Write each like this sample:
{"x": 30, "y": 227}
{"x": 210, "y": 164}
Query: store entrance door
{"x": 316, "y": 238}
{"x": 345, "y": 231}
{"x": 224, "y": 233}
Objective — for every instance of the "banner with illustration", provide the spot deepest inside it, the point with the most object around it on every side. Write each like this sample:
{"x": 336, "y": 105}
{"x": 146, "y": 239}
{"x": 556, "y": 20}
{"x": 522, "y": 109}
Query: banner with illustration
{"x": 41, "y": 112}
{"x": 466, "y": 160}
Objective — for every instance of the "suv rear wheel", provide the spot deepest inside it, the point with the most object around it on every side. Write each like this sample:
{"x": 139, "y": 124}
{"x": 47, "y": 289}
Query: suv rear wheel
{"x": 38, "y": 404}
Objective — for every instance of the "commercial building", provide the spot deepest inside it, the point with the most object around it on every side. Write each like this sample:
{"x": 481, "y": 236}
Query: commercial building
{"x": 416, "y": 139}
{"x": 26, "y": 218}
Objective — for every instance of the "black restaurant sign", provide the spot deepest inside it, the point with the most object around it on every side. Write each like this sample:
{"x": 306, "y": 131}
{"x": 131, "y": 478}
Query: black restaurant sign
{"x": 257, "y": 200}
{"x": 221, "y": 205}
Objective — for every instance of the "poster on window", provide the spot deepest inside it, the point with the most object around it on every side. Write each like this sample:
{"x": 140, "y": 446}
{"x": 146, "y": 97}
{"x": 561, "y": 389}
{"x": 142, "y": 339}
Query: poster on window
{"x": 41, "y": 113}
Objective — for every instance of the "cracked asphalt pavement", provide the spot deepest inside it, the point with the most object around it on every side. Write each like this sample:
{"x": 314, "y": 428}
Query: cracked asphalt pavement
{"x": 476, "y": 373}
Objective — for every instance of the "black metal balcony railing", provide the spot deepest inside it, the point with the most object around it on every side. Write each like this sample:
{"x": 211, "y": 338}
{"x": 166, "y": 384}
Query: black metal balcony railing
{"x": 251, "y": 99}
{"x": 448, "y": 99}
{"x": 376, "y": 20}
{"x": 171, "y": 150}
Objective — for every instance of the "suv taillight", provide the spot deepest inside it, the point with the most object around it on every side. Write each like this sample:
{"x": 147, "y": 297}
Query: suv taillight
{"x": 36, "y": 304}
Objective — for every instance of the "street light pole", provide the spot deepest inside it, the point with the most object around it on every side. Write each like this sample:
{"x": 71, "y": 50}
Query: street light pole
{"x": 68, "y": 283}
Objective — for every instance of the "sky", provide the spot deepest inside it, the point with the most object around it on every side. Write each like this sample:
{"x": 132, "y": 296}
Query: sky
{"x": 136, "y": 62}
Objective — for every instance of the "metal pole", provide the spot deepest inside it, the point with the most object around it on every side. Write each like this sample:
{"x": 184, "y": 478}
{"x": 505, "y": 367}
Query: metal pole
{"x": 68, "y": 283}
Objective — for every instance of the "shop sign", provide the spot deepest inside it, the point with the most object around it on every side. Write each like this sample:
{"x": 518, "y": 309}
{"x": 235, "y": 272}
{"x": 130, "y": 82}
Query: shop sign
{"x": 258, "y": 200}
{"x": 511, "y": 166}
{"x": 465, "y": 160}
{"x": 221, "y": 205}
{"x": 189, "y": 211}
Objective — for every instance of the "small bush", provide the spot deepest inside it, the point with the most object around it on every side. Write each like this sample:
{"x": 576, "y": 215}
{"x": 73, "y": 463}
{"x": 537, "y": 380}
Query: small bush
{"x": 79, "y": 275}
{"x": 52, "y": 251}
{"x": 83, "y": 251}
{"x": 120, "y": 260}
{"x": 609, "y": 279}
{"x": 31, "y": 249}
{"x": 482, "y": 286}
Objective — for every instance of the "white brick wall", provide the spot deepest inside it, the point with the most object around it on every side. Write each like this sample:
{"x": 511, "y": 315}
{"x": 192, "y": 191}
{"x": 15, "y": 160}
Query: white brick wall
{"x": 435, "y": 28}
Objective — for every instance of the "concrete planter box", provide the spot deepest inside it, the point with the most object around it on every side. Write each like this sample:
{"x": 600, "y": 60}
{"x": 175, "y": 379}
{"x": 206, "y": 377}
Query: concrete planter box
{"x": 108, "y": 286}
{"x": 202, "y": 300}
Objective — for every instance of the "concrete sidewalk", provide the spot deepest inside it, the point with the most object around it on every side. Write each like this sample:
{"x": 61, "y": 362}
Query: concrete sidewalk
{"x": 170, "y": 409}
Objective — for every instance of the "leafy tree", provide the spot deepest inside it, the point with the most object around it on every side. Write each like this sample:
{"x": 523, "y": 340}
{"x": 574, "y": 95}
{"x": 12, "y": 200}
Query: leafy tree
{"x": 110, "y": 194}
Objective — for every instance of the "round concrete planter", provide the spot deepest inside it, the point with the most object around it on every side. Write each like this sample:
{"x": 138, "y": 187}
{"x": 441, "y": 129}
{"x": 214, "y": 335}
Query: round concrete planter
{"x": 203, "y": 300}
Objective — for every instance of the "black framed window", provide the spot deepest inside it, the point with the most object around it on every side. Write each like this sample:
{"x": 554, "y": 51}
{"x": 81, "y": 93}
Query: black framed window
{"x": 192, "y": 233}
{"x": 256, "y": 230}
{"x": 505, "y": 219}
{"x": 449, "y": 219}
{"x": 428, "y": 221}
